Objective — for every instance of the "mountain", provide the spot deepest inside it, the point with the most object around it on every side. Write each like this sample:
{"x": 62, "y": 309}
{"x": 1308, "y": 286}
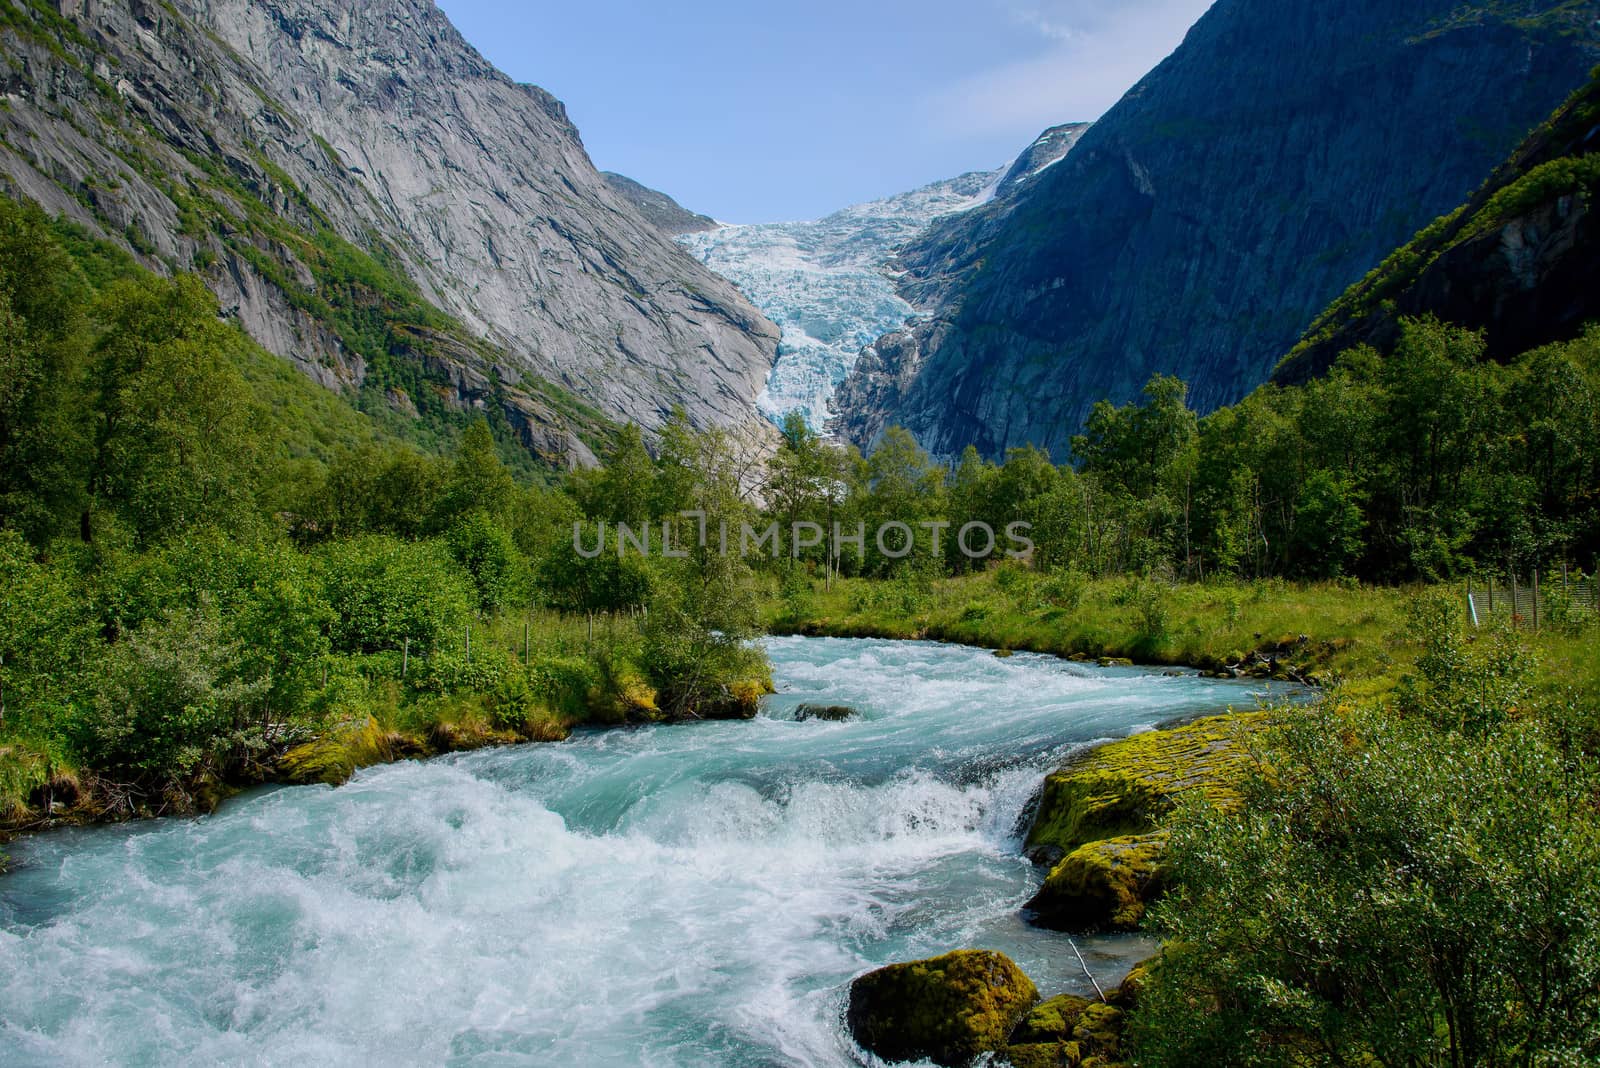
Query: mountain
{"x": 658, "y": 209}
{"x": 1199, "y": 227}
{"x": 830, "y": 283}
{"x": 1517, "y": 261}
{"x": 374, "y": 201}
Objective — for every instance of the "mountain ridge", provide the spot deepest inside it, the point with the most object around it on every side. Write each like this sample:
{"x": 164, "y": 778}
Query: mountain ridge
{"x": 1201, "y": 224}
{"x": 373, "y": 200}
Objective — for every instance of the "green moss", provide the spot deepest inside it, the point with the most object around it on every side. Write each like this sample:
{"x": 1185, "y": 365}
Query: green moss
{"x": 1043, "y": 1055}
{"x": 1123, "y": 788}
{"x": 1051, "y": 1021}
{"x": 1102, "y": 886}
{"x": 948, "y": 1009}
{"x": 335, "y": 756}
{"x": 1067, "y": 1030}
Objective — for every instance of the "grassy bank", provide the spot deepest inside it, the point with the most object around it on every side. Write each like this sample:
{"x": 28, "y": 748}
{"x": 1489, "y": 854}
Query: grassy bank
{"x": 1331, "y": 633}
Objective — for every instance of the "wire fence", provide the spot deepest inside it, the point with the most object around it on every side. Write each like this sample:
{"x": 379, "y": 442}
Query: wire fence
{"x": 1533, "y": 601}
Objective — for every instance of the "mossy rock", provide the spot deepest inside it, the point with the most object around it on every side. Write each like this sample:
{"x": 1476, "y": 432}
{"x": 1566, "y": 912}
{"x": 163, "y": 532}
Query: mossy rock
{"x": 948, "y": 1009}
{"x": 1042, "y": 1055}
{"x": 1050, "y": 1021}
{"x": 1115, "y": 661}
{"x": 1102, "y": 886}
{"x": 1098, "y": 1032}
{"x": 1067, "y": 1030}
{"x": 1123, "y": 788}
{"x": 740, "y": 699}
{"x": 1126, "y": 995}
{"x": 829, "y": 713}
{"x": 334, "y": 757}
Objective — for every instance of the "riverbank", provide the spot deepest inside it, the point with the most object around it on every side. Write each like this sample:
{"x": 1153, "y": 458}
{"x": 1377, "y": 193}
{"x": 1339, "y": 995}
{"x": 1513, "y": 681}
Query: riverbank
{"x": 1347, "y": 636}
{"x": 530, "y": 679}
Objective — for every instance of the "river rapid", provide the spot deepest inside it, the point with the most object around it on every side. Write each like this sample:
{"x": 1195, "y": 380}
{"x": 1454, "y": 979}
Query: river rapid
{"x": 675, "y": 895}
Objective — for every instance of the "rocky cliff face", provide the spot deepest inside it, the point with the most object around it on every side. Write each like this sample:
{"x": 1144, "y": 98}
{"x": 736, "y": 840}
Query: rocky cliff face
{"x": 1199, "y": 227}
{"x": 658, "y": 209}
{"x": 1518, "y": 261}
{"x": 367, "y": 194}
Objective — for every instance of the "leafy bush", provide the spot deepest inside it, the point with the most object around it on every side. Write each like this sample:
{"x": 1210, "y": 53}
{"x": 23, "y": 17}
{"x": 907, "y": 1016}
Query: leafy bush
{"x": 384, "y": 591}
{"x": 1467, "y": 688}
{"x": 1387, "y": 894}
{"x": 168, "y": 699}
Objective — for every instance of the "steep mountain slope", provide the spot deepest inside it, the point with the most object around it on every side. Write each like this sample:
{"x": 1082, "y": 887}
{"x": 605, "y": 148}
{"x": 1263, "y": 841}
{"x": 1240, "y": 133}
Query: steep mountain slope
{"x": 658, "y": 209}
{"x": 1518, "y": 261}
{"x": 1199, "y": 226}
{"x": 829, "y": 283}
{"x": 375, "y": 202}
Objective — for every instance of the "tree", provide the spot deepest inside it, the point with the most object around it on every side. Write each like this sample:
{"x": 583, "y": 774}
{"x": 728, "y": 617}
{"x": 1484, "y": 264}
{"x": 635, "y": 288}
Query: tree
{"x": 43, "y": 337}
{"x": 1327, "y": 527}
{"x": 172, "y": 438}
{"x": 478, "y": 481}
{"x": 624, "y": 490}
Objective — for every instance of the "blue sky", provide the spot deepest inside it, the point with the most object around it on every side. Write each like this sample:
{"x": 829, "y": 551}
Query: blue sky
{"x": 757, "y": 112}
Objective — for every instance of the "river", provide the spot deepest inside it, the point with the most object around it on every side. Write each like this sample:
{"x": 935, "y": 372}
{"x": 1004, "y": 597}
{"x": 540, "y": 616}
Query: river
{"x": 676, "y": 895}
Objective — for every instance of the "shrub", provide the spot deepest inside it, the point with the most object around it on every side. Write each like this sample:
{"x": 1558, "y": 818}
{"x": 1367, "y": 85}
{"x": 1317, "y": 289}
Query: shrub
{"x": 383, "y": 591}
{"x": 1388, "y": 894}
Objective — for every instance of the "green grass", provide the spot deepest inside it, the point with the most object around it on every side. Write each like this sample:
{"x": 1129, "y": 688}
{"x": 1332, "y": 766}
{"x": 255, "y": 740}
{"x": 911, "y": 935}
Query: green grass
{"x": 1351, "y": 629}
{"x": 1334, "y": 633}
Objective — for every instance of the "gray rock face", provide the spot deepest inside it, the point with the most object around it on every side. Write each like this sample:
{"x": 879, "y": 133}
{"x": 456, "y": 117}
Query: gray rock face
{"x": 658, "y": 209}
{"x": 1049, "y": 148}
{"x": 1198, "y": 228}
{"x": 251, "y": 137}
{"x": 1517, "y": 262}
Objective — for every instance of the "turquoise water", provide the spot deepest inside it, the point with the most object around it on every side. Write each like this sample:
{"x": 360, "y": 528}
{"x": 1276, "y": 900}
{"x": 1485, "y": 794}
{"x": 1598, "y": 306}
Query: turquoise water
{"x": 690, "y": 895}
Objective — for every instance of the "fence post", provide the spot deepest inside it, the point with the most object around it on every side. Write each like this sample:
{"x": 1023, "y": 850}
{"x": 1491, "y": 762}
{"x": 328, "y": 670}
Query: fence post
{"x": 1515, "y": 595}
{"x": 1536, "y": 598}
{"x": 1472, "y": 608}
{"x": 1491, "y": 595}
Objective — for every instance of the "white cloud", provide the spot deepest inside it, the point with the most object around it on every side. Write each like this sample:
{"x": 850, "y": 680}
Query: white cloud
{"x": 1092, "y": 52}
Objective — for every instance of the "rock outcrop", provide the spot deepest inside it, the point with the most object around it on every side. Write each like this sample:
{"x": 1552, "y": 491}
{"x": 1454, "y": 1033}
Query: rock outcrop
{"x": 1199, "y": 226}
{"x": 948, "y": 1010}
{"x": 658, "y": 209}
{"x": 1067, "y": 1032}
{"x": 1097, "y": 823}
{"x": 373, "y": 200}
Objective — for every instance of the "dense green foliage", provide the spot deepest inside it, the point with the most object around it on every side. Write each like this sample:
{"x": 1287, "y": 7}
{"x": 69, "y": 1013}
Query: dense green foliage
{"x": 1428, "y": 462}
{"x": 1416, "y": 884}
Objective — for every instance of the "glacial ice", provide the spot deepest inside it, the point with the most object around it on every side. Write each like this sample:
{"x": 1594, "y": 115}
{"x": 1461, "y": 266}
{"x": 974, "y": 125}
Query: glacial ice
{"x": 827, "y": 283}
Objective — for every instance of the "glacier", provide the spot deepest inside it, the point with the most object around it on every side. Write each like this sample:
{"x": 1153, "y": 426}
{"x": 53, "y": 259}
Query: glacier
{"x": 829, "y": 284}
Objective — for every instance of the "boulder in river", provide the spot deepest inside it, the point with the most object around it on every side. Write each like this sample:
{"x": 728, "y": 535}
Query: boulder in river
{"x": 1066, "y": 1031}
{"x": 948, "y": 1009}
{"x": 1125, "y": 787}
{"x": 831, "y": 713}
{"x": 1102, "y": 886}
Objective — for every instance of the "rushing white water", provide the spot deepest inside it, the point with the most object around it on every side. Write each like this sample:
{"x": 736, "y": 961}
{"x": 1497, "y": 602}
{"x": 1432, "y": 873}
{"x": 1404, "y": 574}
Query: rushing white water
{"x": 665, "y": 896}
